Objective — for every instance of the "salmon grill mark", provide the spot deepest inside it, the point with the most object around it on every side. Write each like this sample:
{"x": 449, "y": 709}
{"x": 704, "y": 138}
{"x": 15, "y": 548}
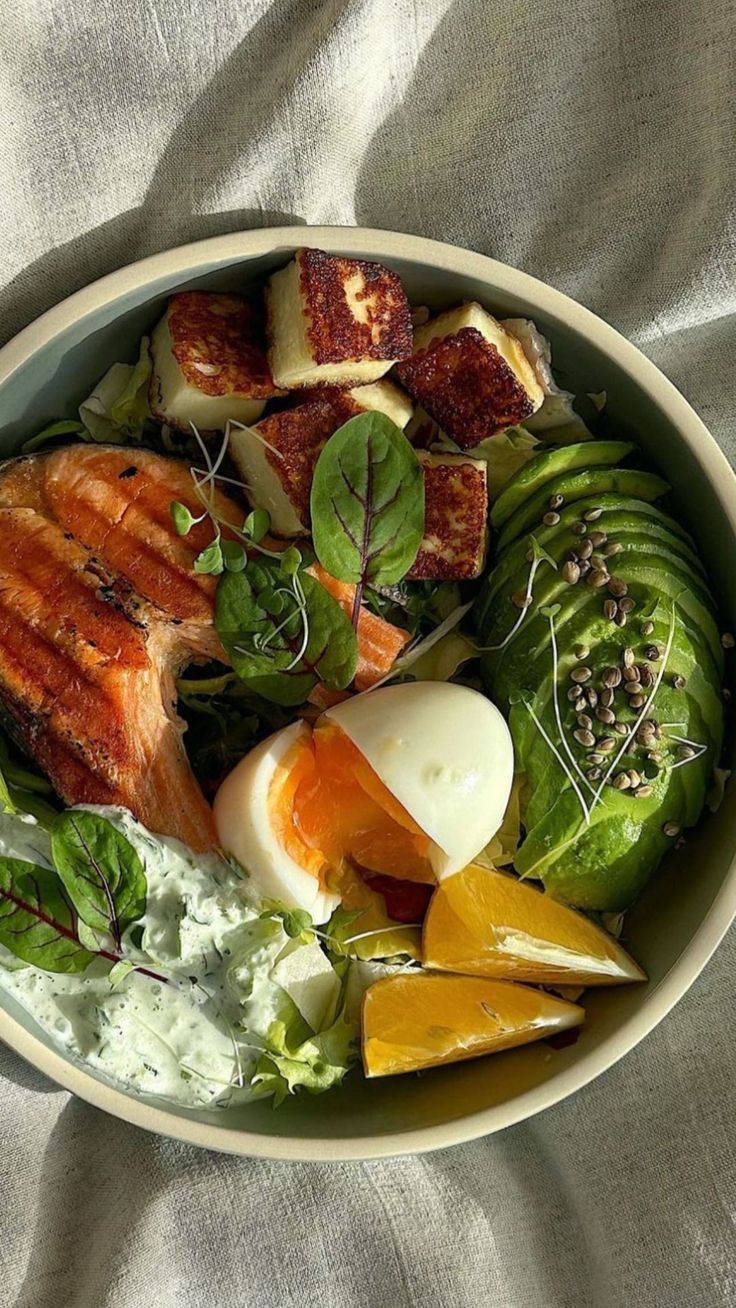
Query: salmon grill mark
{"x": 216, "y": 342}
{"x": 131, "y": 526}
{"x": 383, "y": 329}
{"x": 90, "y": 643}
{"x": 466, "y": 385}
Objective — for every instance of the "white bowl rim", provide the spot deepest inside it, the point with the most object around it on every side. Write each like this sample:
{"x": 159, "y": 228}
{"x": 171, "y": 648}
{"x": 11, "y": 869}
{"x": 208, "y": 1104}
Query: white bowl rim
{"x": 384, "y": 245}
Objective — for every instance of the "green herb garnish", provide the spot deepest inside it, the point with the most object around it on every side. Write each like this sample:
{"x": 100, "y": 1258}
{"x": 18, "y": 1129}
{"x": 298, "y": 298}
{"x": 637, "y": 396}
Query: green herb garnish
{"x": 297, "y": 922}
{"x": 50, "y": 917}
{"x": 36, "y": 922}
{"x": 283, "y": 656}
{"x": 100, "y": 871}
{"x": 367, "y": 504}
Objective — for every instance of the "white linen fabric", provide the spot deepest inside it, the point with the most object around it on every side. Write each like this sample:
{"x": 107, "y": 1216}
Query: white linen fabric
{"x": 591, "y": 144}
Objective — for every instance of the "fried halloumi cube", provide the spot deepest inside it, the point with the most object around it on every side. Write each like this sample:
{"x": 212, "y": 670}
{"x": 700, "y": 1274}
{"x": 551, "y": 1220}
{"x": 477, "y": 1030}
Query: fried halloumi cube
{"x": 423, "y": 432}
{"x": 209, "y": 363}
{"x": 455, "y": 518}
{"x": 471, "y": 375}
{"x": 383, "y": 397}
{"x": 334, "y": 321}
{"x": 277, "y": 457}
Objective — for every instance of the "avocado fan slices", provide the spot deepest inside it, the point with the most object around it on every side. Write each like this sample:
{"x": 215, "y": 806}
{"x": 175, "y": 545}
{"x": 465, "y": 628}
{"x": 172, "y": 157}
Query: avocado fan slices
{"x": 602, "y": 645}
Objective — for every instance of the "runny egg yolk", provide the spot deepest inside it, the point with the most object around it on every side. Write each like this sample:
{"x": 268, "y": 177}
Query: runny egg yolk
{"x": 328, "y": 805}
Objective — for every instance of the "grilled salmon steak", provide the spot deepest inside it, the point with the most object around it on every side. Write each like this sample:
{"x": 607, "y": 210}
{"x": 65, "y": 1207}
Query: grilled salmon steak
{"x": 100, "y": 608}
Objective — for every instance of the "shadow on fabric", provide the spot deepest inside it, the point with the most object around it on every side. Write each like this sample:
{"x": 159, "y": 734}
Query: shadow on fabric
{"x": 202, "y": 149}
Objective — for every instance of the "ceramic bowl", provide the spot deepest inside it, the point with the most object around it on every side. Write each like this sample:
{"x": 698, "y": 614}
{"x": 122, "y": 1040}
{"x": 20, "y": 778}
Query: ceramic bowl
{"x": 51, "y": 366}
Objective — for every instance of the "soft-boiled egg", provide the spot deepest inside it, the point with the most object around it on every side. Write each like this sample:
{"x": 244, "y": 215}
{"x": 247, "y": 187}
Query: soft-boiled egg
{"x": 410, "y": 781}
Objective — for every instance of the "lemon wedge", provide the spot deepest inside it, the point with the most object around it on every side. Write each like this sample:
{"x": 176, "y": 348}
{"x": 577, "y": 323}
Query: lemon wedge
{"x": 415, "y": 1020}
{"x": 485, "y": 923}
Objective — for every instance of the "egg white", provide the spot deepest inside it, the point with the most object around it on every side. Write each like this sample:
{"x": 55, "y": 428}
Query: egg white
{"x": 445, "y": 753}
{"x": 244, "y": 828}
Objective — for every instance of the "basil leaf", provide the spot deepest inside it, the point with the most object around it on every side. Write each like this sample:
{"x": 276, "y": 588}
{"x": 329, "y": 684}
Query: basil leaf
{"x": 100, "y": 870}
{"x": 36, "y": 922}
{"x": 367, "y": 502}
{"x": 270, "y": 653}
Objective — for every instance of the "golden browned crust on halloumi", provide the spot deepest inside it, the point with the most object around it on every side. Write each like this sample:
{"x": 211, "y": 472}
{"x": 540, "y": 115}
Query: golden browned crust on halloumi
{"x": 455, "y": 518}
{"x": 465, "y": 384}
{"x": 209, "y": 363}
{"x": 334, "y": 321}
{"x": 276, "y": 457}
{"x": 299, "y": 435}
{"x": 334, "y": 330}
{"x": 216, "y": 341}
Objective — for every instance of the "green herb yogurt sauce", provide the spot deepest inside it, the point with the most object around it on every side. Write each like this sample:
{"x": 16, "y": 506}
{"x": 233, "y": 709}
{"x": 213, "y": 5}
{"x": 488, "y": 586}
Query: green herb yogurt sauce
{"x": 196, "y": 1037}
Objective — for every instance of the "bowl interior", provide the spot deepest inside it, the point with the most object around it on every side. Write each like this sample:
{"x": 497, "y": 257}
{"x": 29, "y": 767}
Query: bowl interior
{"x": 680, "y": 903}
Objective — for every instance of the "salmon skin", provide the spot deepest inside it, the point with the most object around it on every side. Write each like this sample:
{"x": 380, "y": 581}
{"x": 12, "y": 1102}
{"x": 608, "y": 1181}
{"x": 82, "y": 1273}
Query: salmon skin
{"x": 100, "y": 608}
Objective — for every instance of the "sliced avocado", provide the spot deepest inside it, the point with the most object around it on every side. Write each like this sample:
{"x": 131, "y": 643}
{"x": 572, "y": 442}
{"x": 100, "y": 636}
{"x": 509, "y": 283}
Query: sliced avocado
{"x": 547, "y": 465}
{"x": 671, "y": 582}
{"x": 648, "y": 536}
{"x": 590, "y": 843}
{"x": 591, "y": 860}
{"x": 587, "y": 484}
{"x": 674, "y": 581}
{"x": 607, "y": 866}
{"x": 646, "y": 523}
{"x": 550, "y": 778}
{"x": 687, "y": 659}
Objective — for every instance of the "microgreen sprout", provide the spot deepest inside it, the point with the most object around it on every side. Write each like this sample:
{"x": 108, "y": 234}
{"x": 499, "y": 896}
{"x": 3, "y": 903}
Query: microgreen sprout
{"x": 697, "y": 746}
{"x": 570, "y": 775}
{"x": 539, "y": 555}
{"x": 551, "y": 612}
{"x": 241, "y": 426}
{"x": 219, "y": 555}
{"x": 382, "y": 931}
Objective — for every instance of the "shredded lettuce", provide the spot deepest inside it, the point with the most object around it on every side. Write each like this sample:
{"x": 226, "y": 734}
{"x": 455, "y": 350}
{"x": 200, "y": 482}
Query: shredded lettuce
{"x": 557, "y": 421}
{"x": 315, "y": 1064}
{"x": 501, "y": 849}
{"x": 504, "y": 454}
{"x": 444, "y": 659}
{"x": 361, "y": 927}
{"x": 117, "y": 410}
{"x": 292, "y": 1006}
